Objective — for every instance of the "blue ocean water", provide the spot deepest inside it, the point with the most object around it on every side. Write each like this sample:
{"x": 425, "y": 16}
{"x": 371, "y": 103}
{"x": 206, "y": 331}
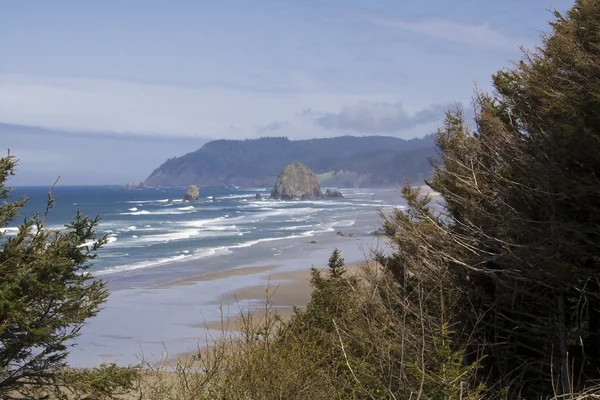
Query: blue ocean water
{"x": 155, "y": 228}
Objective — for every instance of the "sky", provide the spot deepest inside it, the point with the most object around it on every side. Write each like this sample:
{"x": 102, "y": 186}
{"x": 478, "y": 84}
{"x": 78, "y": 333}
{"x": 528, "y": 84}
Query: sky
{"x": 104, "y": 92}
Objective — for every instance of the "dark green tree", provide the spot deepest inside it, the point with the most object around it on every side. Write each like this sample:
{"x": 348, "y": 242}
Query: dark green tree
{"x": 46, "y": 295}
{"x": 330, "y": 296}
{"x": 518, "y": 238}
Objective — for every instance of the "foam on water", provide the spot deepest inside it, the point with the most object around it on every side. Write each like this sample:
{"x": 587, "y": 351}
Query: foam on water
{"x": 12, "y": 231}
{"x": 199, "y": 223}
{"x": 186, "y": 256}
{"x": 183, "y": 210}
{"x": 297, "y": 227}
{"x": 181, "y": 235}
{"x": 143, "y": 212}
{"x": 344, "y": 223}
{"x": 149, "y": 201}
{"x": 236, "y": 196}
{"x": 143, "y": 264}
{"x": 145, "y": 228}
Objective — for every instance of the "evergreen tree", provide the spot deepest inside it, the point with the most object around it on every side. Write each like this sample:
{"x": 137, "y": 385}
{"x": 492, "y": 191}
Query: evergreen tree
{"x": 46, "y": 295}
{"x": 519, "y": 237}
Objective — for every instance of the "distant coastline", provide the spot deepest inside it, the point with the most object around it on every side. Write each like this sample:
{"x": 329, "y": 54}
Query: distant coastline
{"x": 341, "y": 162}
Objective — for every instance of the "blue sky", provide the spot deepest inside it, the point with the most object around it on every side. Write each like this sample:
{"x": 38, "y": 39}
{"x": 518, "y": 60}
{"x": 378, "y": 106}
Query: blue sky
{"x": 103, "y": 92}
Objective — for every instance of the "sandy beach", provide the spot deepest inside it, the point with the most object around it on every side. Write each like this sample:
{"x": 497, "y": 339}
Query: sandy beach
{"x": 281, "y": 292}
{"x": 292, "y": 290}
{"x": 174, "y": 318}
{"x": 173, "y": 308}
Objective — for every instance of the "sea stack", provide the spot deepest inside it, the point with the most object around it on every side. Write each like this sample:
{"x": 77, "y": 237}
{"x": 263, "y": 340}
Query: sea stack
{"x": 333, "y": 193}
{"x": 191, "y": 194}
{"x": 296, "y": 181}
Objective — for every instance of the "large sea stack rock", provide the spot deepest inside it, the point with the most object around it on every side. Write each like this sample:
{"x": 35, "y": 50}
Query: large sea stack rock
{"x": 296, "y": 181}
{"x": 191, "y": 194}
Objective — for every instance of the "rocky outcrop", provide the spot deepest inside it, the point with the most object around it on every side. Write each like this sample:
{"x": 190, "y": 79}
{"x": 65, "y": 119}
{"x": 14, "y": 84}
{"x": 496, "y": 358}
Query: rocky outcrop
{"x": 378, "y": 232}
{"x": 333, "y": 193}
{"x": 258, "y": 196}
{"x": 191, "y": 194}
{"x": 133, "y": 185}
{"x": 296, "y": 181}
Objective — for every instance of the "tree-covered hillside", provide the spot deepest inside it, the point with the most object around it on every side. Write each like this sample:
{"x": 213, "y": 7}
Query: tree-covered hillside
{"x": 372, "y": 160}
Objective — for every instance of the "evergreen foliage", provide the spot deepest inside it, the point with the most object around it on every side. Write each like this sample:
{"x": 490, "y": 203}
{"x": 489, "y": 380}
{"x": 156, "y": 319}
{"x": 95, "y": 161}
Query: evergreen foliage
{"x": 519, "y": 238}
{"x": 46, "y": 295}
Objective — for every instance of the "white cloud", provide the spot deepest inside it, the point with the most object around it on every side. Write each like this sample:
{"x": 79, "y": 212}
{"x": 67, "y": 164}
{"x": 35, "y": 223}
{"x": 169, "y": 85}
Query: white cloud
{"x": 481, "y": 35}
{"x": 96, "y": 105}
{"x": 379, "y": 117}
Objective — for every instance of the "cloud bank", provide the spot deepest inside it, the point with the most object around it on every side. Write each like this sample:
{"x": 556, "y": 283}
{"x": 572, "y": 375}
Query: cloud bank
{"x": 101, "y": 106}
{"x": 378, "y": 117}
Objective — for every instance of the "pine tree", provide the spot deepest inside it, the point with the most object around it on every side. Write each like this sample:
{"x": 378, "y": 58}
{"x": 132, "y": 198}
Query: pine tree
{"x": 46, "y": 295}
{"x": 519, "y": 237}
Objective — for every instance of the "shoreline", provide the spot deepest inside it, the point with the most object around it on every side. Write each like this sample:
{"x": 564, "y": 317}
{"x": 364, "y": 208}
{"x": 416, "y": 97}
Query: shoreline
{"x": 158, "y": 320}
{"x": 281, "y": 292}
{"x": 175, "y": 308}
{"x": 284, "y": 291}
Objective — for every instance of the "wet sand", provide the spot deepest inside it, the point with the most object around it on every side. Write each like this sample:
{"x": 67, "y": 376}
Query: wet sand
{"x": 172, "y": 318}
{"x": 218, "y": 275}
{"x": 282, "y": 291}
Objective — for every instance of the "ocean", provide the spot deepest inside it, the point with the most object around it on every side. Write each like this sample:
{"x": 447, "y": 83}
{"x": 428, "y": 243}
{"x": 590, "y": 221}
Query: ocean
{"x": 154, "y": 236}
{"x": 157, "y": 242}
{"x": 165, "y": 258}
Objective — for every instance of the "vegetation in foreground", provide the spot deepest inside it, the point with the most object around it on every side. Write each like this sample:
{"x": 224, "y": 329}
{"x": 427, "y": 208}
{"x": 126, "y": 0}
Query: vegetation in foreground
{"x": 494, "y": 296}
{"x": 46, "y": 294}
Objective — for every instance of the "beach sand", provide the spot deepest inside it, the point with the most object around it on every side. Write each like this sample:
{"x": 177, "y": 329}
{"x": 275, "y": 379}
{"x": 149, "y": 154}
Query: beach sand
{"x": 169, "y": 318}
{"x": 283, "y": 291}
{"x": 218, "y": 275}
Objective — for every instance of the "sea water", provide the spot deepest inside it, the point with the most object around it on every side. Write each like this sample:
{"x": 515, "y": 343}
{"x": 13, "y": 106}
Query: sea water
{"x": 154, "y": 227}
{"x": 156, "y": 240}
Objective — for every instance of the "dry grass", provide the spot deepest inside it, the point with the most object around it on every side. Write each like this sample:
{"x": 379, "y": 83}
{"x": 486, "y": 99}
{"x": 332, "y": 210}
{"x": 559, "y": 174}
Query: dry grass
{"x": 361, "y": 336}
{"x": 351, "y": 343}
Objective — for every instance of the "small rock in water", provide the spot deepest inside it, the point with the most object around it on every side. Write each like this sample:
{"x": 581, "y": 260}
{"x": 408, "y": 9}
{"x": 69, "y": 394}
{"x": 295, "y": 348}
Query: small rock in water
{"x": 191, "y": 194}
{"x": 333, "y": 193}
